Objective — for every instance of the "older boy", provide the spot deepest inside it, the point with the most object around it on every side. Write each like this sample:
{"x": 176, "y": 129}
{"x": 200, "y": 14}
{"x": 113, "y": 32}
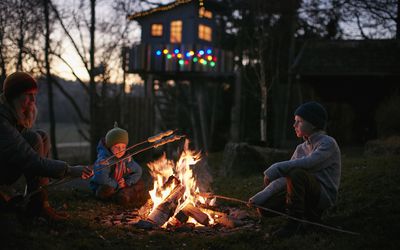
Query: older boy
{"x": 308, "y": 183}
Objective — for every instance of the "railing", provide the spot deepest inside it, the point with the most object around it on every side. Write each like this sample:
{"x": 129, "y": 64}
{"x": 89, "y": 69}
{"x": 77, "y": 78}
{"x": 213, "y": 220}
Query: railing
{"x": 171, "y": 58}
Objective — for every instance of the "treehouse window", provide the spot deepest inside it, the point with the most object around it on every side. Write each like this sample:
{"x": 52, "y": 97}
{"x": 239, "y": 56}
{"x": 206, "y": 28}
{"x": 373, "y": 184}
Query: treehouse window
{"x": 205, "y": 13}
{"x": 205, "y": 32}
{"x": 176, "y": 32}
{"x": 156, "y": 29}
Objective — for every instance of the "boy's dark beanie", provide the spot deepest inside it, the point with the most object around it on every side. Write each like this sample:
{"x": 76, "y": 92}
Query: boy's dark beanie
{"x": 314, "y": 113}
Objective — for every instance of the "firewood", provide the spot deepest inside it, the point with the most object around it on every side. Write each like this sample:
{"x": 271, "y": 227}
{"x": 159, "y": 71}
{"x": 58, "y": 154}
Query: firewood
{"x": 214, "y": 214}
{"x": 186, "y": 227}
{"x": 226, "y": 221}
{"x": 144, "y": 211}
{"x": 196, "y": 214}
{"x": 171, "y": 180}
{"x": 181, "y": 217}
{"x": 166, "y": 209}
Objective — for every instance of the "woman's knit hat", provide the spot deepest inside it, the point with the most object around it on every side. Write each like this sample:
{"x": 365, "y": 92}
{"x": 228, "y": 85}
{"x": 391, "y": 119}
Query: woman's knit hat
{"x": 17, "y": 83}
{"x": 314, "y": 113}
{"x": 116, "y": 135}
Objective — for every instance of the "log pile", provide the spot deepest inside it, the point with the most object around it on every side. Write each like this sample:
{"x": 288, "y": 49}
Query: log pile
{"x": 226, "y": 220}
{"x": 163, "y": 212}
{"x": 212, "y": 219}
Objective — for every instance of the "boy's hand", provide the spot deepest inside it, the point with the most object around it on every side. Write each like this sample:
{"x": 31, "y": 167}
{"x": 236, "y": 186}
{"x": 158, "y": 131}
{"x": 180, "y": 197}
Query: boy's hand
{"x": 250, "y": 203}
{"x": 121, "y": 183}
{"x": 266, "y": 180}
{"x": 87, "y": 172}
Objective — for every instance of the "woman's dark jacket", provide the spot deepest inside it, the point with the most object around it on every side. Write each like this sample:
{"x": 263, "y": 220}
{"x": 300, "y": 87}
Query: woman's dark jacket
{"x": 16, "y": 155}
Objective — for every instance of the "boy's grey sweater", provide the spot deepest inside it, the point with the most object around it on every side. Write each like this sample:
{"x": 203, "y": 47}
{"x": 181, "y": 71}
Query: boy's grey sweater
{"x": 319, "y": 155}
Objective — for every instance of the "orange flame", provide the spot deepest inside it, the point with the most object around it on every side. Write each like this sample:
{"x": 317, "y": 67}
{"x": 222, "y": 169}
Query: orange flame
{"x": 163, "y": 168}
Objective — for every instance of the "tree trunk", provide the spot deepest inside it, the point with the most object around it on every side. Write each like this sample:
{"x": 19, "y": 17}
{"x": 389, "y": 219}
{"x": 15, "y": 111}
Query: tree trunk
{"x": 21, "y": 39}
{"x": 263, "y": 112}
{"x": 292, "y": 30}
{"x": 92, "y": 84}
{"x": 398, "y": 20}
{"x": 49, "y": 82}
{"x": 122, "y": 100}
{"x": 2, "y": 60}
{"x": 263, "y": 93}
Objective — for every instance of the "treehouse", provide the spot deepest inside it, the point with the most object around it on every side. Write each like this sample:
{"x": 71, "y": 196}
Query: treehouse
{"x": 187, "y": 74}
{"x": 182, "y": 37}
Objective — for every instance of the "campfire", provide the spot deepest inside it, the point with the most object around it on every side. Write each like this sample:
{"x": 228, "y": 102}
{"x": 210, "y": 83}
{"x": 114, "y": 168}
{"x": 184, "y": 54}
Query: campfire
{"x": 175, "y": 197}
{"x": 178, "y": 200}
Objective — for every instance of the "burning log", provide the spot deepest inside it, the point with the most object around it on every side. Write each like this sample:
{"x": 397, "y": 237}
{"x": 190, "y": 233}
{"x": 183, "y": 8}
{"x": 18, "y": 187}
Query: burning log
{"x": 181, "y": 217}
{"x": 166, "y": 209}
{"x": 196, "y": 214}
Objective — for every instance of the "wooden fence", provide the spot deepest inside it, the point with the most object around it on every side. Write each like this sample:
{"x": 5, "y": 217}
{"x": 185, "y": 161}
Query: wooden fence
{"x": 134, "y": 114}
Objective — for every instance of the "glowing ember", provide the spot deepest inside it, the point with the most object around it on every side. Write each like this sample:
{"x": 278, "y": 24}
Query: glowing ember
{"x": 167, "y": 175}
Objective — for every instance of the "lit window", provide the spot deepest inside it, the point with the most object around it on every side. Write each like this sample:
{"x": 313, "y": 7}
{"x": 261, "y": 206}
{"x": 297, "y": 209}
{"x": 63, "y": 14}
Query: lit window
{"x": 205, "y": 13}
{"x": 156, "y": 29}
{"x": 176, "y": 32}
{"x": 205, "y": 32}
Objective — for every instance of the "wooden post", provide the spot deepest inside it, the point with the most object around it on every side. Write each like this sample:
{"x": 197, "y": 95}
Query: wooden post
{"x": 236, "y": 110}
{"x": 202, "y": 114}
{"x": 195, "y": 126}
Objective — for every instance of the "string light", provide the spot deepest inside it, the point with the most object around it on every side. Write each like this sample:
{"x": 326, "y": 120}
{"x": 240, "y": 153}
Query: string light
{"x": 201, "y": 56}
{"x": 204, "y": 57}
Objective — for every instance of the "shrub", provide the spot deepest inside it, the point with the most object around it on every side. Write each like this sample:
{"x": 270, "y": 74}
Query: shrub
{"x": 387, "y": 117}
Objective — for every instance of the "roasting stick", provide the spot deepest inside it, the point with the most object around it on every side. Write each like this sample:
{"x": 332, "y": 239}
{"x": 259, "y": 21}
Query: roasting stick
{"x": 166, "y": 140}
{"x": 148, "y": 140}
{"x": 283, "y": 214}
{"x": 158, "y": 140}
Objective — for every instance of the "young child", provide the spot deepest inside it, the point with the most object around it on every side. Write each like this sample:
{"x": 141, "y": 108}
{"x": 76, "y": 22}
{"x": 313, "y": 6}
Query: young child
{"x": 120, "y": 182}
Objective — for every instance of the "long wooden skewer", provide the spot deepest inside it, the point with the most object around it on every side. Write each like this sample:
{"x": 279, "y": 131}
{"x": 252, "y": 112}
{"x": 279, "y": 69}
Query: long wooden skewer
{"x": 283, "y": 214}
{"x": 158, "y": 143}
{"x": 148, "y": 140}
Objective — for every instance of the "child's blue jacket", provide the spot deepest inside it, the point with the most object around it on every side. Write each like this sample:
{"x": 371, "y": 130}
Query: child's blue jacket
{"x": 130, "y": 170}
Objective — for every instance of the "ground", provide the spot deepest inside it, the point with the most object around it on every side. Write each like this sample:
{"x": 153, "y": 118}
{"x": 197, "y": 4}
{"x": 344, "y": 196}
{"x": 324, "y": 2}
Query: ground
{"x": 368, "y": 203}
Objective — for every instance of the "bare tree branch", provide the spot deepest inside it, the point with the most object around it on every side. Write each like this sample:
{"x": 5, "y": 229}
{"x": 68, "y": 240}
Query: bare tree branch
{"x": 85, "y": 87}
{"x": 84, "y": 61}
{"x": 72, "y": 100}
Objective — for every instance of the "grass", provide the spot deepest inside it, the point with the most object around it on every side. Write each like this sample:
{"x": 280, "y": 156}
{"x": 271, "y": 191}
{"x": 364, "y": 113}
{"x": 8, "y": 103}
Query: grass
{"x": 368, "y": 203}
